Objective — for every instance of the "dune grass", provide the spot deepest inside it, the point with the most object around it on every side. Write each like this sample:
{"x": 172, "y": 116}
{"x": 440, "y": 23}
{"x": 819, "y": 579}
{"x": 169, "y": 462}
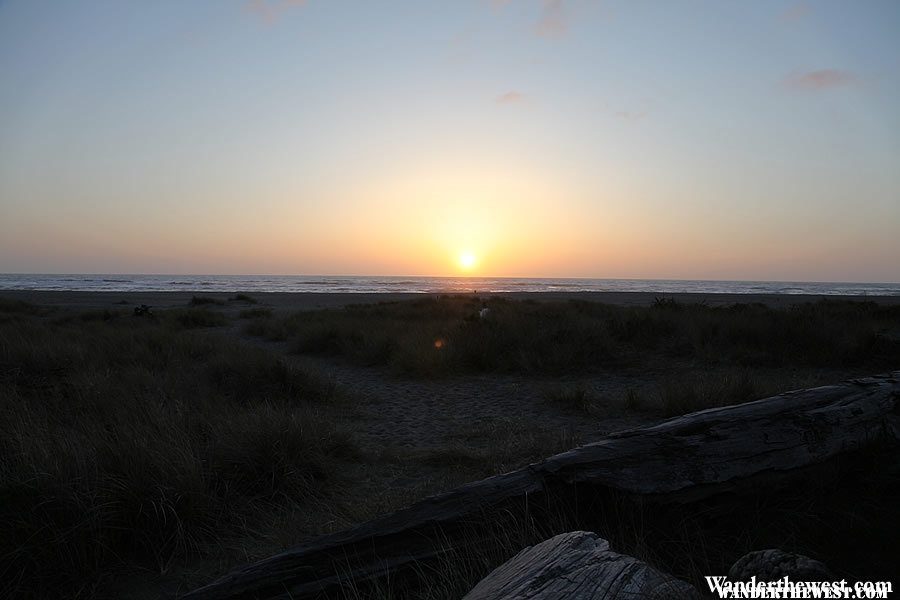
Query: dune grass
{"x": 9, "y": 308}
{"x": 255, "y": 313}
{"x": 138, "y": 441}
{"x": 148, "y": 441}
{"x": 204, "y": 301}
{"x": 685, "y": 391}
{"x": 243, "y": 298}
{"x": 439, "y": 336}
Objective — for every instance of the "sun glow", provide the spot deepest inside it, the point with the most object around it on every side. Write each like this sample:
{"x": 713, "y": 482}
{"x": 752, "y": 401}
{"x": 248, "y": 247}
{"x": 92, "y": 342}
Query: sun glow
{"x": 467, "y": 261}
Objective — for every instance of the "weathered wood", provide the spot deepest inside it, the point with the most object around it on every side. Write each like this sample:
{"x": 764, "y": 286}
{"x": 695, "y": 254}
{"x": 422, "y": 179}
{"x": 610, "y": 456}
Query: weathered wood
{"x": 697, "y": 455}
{"x": 773, "y": 564}
{"x": 578, "y": 566}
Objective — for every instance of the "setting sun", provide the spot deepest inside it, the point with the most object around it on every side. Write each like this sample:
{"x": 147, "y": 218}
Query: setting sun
{"x": 467, "y": 261}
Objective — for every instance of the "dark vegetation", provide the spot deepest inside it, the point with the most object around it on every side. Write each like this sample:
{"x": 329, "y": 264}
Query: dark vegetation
{"x": 439, "y": 336}
{"x": 144, "y": 441}
{"x": 689, "y": 389}
{"x": 193, "y": 318}
{"x": 204, "y": 300}
{"x": 255, "y": 313}
{"x": 243, "y": 298}
{"x": 156, "y": 441}
{"x": 840, "y": 511}
{"x": 9, "y": 308}
{"x": 697, "y": 356}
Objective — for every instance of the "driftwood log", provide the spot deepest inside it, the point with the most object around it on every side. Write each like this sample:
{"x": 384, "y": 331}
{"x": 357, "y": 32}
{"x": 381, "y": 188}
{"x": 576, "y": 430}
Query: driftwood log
{"x": 773, "y": 564}
{"x": 689, "y": 457}
{"x": 578, "y": 566}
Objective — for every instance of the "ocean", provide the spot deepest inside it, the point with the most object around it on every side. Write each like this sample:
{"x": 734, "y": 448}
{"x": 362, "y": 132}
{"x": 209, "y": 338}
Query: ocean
{"x": 367, "y": 284}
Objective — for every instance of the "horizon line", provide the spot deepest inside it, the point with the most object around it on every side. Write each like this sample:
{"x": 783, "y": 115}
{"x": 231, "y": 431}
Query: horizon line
{"x": 529, "y": 277}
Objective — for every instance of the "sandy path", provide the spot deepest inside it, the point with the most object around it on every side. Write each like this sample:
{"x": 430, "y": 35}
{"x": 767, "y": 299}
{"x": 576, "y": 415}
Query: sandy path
{"x": 432, "y": 414}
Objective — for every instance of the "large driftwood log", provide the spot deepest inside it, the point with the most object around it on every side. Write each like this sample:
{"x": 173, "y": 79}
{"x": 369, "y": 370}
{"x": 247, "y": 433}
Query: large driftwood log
{"x": 578, "y": 566}
{"x": 692, "y": 456}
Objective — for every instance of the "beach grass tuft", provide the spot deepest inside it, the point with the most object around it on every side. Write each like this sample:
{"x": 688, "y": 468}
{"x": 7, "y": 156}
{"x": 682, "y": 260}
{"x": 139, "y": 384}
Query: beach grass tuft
{"x": 243, "y": 298}
{"x": 204, "y": 301}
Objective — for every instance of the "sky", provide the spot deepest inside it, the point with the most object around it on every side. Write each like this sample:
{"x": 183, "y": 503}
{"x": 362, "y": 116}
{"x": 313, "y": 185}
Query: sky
{"x": 529, "y": 138}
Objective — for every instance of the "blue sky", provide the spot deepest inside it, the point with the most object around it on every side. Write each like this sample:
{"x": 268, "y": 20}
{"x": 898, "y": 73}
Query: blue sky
{"x": 753, "y": 140}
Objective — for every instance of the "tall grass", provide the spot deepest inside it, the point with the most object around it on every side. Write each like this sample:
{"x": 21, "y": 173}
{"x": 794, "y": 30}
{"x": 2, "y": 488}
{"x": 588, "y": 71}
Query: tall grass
{"x": 136, "y": 441}
{"x": 147, "y": 441}
{"x": 255, "y": 313}
{"x": 435, "y": 336}
{"x": 204, "y": 300}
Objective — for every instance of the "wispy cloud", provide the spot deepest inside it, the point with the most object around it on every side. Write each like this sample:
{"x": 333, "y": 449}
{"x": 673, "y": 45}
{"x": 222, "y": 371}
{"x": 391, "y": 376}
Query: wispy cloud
{"x": 821, "y": 80}
{"x": 796, "y": 12}
{"x": 512, "y": 97}
{"x": 553, "y": 22}
{"x": 271, "y": 11}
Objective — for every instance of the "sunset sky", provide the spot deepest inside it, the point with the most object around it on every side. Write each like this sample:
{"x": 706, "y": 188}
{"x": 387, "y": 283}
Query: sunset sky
{"x": 564, "y": 138}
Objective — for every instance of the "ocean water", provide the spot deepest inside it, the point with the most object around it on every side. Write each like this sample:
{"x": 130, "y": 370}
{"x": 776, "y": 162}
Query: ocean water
{"x": 299, "y": 283}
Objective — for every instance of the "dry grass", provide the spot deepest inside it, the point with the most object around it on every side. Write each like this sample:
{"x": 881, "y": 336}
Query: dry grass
{"x": 138, "y": 441}
{"x": 255, "y": 313}
{"x": 154, "y": 441}
{"x": 500, "y": 445}
{"x": 205, "y": 301}
{"x": 440, "y": 336}
{"x": 243, "y": 298}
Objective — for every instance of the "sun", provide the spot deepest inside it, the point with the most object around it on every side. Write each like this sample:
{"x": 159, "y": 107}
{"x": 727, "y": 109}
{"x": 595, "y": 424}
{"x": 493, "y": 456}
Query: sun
{"x": 467, "y": 261}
